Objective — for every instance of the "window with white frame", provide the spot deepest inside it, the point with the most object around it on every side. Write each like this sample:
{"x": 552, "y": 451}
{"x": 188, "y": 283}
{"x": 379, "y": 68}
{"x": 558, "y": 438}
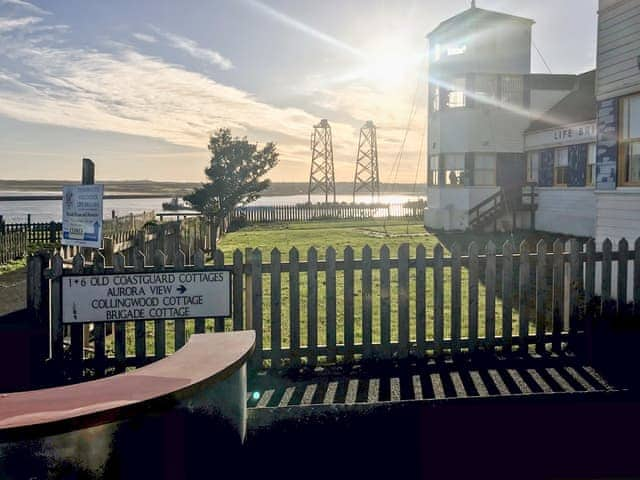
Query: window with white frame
{"x": 454, "y": 169}
{"x": 629, "y": 158}
{"x": 456, "y": 96}
{"x": 591, "y": 165}
{"x": 486, "y": 87}
{"x": 435, "y": 98}
{"x": 456, "y": 49}
{"x": 533, "y": 164}
{"x": 561, "y": 167}
{"x": 433, "y": 170}
{"x": 512, "y": 88}
{"x": 484, "y": 169}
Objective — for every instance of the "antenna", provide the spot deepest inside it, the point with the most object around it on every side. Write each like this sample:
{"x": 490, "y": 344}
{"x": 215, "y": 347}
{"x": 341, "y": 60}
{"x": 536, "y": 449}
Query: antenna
{"x": 367, "y": 177}
{"x": 322, "y": 176}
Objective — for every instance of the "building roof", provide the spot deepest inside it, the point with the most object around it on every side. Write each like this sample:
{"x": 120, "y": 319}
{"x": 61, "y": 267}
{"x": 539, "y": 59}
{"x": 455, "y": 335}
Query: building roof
{"x": 577, "y": 106}
{"x": 476, "y": 15}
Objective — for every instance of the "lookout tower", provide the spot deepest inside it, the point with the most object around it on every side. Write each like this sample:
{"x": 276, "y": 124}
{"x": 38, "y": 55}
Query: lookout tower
{"x": 479, "y": 96}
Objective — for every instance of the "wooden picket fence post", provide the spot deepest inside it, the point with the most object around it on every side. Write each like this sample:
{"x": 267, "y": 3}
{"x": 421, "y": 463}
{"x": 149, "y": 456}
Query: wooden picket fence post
{"x": 482, "y": 300}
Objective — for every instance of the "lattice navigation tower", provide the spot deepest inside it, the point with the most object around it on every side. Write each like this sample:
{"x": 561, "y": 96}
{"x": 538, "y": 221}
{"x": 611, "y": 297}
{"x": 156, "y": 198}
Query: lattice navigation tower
{"x": 322, "y": 175}
{"x": 367, "y": 177}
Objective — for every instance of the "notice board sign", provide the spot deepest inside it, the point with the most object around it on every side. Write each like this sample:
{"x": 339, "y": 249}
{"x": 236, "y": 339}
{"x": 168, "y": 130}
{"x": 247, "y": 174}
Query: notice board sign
{"x": 82, "y": 215}
{"x": 607, "y": 150}
{"x": 146, "y": 296}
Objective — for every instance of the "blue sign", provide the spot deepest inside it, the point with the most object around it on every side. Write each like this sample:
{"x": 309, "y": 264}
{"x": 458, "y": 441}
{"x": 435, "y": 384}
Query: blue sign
{"x": 607, "y": 150}
{"x": 82, "y": 215}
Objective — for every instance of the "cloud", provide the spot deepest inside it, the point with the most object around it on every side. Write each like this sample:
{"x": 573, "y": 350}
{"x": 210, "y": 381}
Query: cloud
{"x": 25, "y": 6}
{"x": 191, "y": 48}
{"x": 8, "y": 24}
{"x": 143, "y": 37}
{"x": 127, "y": 92}
{"x": 118, "y": 89}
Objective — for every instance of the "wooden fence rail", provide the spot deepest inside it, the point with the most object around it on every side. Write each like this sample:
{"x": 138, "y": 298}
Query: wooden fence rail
{"x": 311, "y": 311}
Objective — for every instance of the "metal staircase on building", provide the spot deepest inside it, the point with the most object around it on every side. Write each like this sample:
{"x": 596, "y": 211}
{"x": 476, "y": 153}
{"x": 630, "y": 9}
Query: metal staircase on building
{"x": 505, "y": 203}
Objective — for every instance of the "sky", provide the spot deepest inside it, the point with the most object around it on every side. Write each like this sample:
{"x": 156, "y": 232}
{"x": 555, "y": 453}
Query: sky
{"x": 139, "y": 86}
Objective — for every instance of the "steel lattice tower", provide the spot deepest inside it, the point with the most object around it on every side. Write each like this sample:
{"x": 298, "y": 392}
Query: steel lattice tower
{"x": 322, "y": 175}
{"x": 367, "y": 177}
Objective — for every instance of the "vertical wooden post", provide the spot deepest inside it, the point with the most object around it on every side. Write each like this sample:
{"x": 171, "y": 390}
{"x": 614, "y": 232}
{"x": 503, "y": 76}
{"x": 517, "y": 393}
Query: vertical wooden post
{"x": 473, "y": 296}
{"x": 120, "y": 327}
{"x": 421, "y": 307}
{"x": 294, "y": 307}
{"x": 558, "y": 296}
{"x": 140, "y": 326}
{"x": 403, "y": 301}
{"x": 312, "y": 306}
{"x": 507, "y": 296}
{"x": 198, "y": 260}
{"x": 99, "y": 354}
{"x": 589, "y": 296}
{"x": 179, "y": 323}
{"x": 541, "y": 294}
{"x": 218, "y": 261}
{"x": 623, "y": 265}
{"x": 385, "y": 302}
{"x": 438, "y": 298}
{"x": 238, "y": 304}
{"x": 256, "y": 305}
{"x": 57, "y": 331}
{"x": 490, "y": 296}
{"x": 248, "y": 294}
{"x": 276, "y": 309}
{"x": 456, "y": 299}
{"x": 607, "y": 301}
{"x": 367, "y": 303}
{"x": 77, "y": 329}
{"x": 331, "y": 304}
{"x": 524, "y": 294}
{"x": 575, "y": 288}
{"x": 348, "y": 305}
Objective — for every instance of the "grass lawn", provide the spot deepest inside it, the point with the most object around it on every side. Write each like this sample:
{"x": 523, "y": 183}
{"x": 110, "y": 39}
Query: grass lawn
{"x": 357, "y": 234}
{"x": 13, "y": 266}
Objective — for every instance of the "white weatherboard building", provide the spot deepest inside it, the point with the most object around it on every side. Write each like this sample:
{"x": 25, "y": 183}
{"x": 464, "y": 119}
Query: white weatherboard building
{"x": 618, "y": 112}
{"x": 496, "y": 130}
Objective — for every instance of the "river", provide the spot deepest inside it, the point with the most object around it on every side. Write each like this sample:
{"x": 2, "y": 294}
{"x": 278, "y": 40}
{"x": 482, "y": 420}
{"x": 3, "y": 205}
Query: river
{"x": 51, "y": 210}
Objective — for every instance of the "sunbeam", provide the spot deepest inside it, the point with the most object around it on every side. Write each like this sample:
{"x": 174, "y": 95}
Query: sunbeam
{"x": 303, "y": 27}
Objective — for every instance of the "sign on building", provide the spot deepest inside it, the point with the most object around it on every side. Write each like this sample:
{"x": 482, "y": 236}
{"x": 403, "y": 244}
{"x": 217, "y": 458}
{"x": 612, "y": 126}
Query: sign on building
{"x": 146, "y": 296}
{"x": 607, "y": 153}
{"x": 82, "y": 215}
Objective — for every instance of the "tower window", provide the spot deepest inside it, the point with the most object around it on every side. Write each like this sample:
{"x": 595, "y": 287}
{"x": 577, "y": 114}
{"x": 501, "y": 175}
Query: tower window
{"x": 456, "y": 96}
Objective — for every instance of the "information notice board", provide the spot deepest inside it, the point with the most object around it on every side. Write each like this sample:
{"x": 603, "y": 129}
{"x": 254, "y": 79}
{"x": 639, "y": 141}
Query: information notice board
{"x": 146, "y": 296}
{"x": 82, "y": 215}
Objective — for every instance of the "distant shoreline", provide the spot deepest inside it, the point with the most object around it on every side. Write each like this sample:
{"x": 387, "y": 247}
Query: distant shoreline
{"x": 179, "y": 189}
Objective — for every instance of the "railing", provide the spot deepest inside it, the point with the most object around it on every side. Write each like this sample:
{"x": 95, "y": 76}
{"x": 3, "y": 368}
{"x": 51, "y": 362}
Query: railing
{"x": 15, "y": 238}
{"x": 519, "y": 199}
{"x": 304, "y": 213}
{"x": 321, "y": 309}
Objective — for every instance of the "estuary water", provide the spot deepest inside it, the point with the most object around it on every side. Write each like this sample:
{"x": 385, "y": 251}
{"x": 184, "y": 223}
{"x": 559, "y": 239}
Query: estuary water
{"x": 51, "y": 210}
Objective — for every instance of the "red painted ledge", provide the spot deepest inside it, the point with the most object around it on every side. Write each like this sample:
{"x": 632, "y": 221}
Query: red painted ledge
{"x": 206, "y": 359}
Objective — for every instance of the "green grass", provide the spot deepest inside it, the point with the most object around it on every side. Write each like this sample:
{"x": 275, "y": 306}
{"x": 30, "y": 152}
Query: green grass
{"x": 13, "y": 266}
{"x": 357, "y": 234}
{"x": 375, "y": 233}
